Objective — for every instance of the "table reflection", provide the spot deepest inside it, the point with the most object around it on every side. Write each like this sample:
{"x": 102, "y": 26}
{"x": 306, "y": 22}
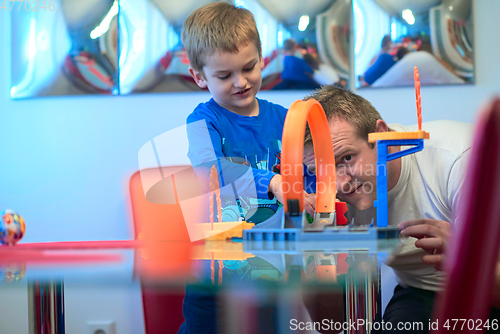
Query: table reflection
{"x": 239, "y": 285}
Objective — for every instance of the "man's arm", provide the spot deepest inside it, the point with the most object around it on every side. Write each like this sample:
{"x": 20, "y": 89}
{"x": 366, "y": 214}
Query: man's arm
{"x": 433, "y": 235}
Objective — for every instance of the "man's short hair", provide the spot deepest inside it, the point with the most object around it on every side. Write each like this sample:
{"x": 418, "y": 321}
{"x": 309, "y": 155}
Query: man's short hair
{"x": 218, "y": 26}
{"x": 344, "y": 104}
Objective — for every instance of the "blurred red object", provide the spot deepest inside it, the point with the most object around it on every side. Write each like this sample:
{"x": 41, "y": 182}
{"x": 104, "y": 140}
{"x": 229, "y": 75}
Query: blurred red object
{"x": 473, "y": 253}
{"x": 167, "y": 252}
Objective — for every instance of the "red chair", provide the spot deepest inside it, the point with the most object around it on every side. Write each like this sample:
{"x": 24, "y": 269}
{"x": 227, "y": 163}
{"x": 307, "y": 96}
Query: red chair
{"x": 162, "y": 308}
{"x": 473, "y": 254}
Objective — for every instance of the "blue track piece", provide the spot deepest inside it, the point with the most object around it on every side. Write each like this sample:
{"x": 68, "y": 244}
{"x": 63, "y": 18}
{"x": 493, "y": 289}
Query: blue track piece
{"x": 295, "y": 241}
{"x": 382, "y": 157}
{"x": 287, "y": 234}
{"x": 328, "y": 234}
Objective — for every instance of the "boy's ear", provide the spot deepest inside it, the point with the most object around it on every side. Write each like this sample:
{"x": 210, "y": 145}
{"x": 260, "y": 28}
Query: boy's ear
{"x": 261, "y": 63}
{"x": 198, "y": 77}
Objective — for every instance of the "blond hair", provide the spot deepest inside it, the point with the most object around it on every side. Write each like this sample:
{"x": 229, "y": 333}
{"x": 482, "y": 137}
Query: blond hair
{"x": 344, "y": 104}
{"x": 218, "y": 26}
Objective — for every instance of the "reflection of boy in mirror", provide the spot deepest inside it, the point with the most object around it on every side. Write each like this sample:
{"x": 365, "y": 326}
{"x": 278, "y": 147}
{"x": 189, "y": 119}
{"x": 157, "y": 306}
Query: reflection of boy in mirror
{"x": 297, "y": 74}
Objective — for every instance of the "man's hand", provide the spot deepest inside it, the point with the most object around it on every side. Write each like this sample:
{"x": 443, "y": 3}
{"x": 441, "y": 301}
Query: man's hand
{"x": 433, "y": 237}
{"x": 276, "y": 188}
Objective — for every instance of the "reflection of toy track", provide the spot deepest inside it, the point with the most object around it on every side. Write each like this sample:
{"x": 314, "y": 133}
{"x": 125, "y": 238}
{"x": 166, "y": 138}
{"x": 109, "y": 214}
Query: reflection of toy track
{"x": 344, "y": 238}
{"x": 338, "y": 246}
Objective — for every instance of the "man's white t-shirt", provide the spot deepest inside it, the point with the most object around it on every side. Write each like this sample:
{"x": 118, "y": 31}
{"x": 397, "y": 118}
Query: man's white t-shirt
{"x": 428, "y": 188}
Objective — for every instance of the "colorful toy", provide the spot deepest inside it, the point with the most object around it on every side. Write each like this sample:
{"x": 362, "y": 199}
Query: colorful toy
{"x": 386, "y": 139}
{"x": 299, "y": 113}
{"x": 12, "y": 228}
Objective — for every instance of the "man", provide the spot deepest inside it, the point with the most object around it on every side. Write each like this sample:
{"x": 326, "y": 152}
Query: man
{"x": 423, "y": 192}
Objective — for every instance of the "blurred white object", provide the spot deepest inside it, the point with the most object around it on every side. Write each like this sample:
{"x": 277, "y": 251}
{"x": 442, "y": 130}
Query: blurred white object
{"x": 325, "y": 75}
{"x": 430, "y": 69}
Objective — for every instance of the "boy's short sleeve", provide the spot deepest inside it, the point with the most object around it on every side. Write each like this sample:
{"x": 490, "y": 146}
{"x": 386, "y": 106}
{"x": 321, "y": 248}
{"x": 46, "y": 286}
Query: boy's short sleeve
{"x": 216, "y": 140}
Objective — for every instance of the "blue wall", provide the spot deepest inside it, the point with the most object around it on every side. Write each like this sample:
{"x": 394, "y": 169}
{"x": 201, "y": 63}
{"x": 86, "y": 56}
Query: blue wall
{"x": 65, "y": 161}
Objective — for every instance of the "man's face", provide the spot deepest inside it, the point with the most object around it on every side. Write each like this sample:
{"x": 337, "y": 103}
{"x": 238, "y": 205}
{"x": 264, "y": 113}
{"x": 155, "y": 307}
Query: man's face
{"x": 233, "y": 79}
{"x": 355, "y": 163}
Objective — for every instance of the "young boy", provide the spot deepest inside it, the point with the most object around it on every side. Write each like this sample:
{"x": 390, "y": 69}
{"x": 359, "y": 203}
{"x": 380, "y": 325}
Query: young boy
{"x": 224, "y": 50}
{"x": 235, "y": 131}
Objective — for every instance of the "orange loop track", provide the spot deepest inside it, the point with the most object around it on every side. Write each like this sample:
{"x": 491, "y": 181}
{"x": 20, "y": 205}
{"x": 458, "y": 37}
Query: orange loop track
{"x": 292, "y": 151}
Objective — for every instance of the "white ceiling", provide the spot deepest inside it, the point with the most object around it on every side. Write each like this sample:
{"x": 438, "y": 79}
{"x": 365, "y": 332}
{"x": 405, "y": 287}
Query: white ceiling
{"x": 79, "y": 14}
{"x": 395, "y": 7}
{"x": 289, "y": 11}
{"x": 176, "y": 11}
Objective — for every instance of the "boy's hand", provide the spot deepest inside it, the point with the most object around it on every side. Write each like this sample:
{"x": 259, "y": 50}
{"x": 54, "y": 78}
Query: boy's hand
{"x": 275, "y": 187}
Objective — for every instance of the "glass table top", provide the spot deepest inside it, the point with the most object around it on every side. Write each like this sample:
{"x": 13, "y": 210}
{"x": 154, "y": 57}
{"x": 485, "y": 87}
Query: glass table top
{"x": 269, "y": 284}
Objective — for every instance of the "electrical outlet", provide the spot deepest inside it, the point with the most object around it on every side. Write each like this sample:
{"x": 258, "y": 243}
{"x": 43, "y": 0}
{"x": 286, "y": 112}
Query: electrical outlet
{"x": 100, "y": 327}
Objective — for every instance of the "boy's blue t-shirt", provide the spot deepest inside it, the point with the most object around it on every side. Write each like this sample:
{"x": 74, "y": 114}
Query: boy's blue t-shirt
{"x": 252, "y": 141}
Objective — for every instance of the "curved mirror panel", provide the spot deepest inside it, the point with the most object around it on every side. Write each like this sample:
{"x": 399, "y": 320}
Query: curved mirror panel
{"x": 393, "y": 36}
{"x": 152, "y": 57}
{"x": 133, "y": 46}
{"x": 64, "y": 47}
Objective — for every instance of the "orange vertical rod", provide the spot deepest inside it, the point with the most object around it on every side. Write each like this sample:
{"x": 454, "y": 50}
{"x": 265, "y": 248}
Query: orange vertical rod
{"x": 212, "y": 270}
{"x": 215, "y": 191}
{"x": 418, "y": 97}
{"x": 221, "y": 266}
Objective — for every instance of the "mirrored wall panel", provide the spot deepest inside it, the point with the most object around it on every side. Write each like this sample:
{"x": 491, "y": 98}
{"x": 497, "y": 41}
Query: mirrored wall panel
{"x": 134, "y": 46}
{"x": 64, "y": 47}
{"x": 393, "y": 36}
{"x": 152, "y": 57}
